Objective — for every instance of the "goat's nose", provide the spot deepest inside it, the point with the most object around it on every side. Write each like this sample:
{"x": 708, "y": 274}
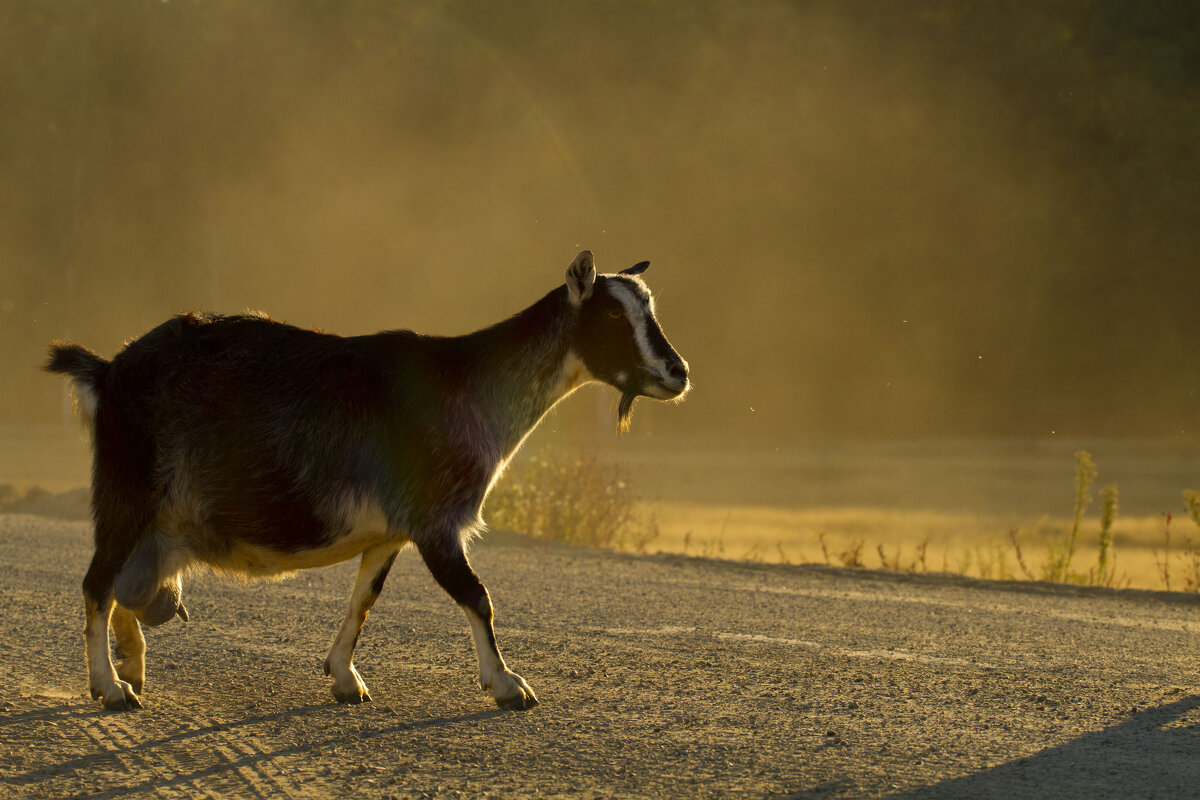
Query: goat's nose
{"x": 678, "y": 371}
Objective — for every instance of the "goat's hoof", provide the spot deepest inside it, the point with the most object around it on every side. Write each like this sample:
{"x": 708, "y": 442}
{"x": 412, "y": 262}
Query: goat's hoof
{"x": 348, "y": 686}
{"x": 352, "y": 698}
{"x": 519, "y": 696}
{"x": 118, "y": 697}
{"x": 347, "y": 692}
{"x": 521, "y": 702}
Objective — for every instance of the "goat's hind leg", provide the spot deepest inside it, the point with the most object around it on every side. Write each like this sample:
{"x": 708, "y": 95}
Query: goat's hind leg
{"x": 447, "y": 561}
{"x": 130, "y": 648}
{"x": 348, "y": 686}
{"x": 117, "y": 693}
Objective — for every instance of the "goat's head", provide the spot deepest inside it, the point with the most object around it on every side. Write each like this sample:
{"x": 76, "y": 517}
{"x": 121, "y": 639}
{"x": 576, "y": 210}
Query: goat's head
{"x": 618, "y": 338}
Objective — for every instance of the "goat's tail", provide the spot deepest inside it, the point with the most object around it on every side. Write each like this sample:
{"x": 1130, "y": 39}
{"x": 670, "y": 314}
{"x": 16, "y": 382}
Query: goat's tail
{"x": 87, "y": 371}
{"x": 77, "y": 361}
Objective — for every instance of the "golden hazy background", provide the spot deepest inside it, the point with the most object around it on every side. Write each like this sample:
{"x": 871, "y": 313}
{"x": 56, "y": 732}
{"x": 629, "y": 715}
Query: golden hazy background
{"x": 933, "y": 221}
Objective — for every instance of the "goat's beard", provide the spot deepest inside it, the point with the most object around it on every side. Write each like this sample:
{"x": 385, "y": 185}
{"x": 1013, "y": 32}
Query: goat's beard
{"x": 625, "y": 411}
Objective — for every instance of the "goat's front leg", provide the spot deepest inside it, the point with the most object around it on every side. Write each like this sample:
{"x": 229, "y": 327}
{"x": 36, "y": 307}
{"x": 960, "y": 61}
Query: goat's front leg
{"x": 448, "y": 563}
{"x": 348, "y": 686}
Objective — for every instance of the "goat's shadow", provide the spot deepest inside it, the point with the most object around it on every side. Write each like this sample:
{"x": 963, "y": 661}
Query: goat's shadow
{"x": 55, "y": 713}
{"x": 1142, "y": 756}
{"x": 148, "y": 747}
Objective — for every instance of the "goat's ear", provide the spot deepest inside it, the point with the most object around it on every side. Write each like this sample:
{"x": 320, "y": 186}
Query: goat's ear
{"x": 637, "y": 269}
{"x": 581, "y": 278}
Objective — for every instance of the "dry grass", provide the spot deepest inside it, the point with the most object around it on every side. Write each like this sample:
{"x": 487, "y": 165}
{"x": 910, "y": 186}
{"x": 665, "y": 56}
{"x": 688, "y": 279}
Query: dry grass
{"x": 917, "y": 540}
{"x": 576, "y": 500}
{"x": 1138, "y": 551}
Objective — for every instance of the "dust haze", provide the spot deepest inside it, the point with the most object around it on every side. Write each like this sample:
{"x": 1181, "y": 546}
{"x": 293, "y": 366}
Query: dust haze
{"x": 864, "y": 220}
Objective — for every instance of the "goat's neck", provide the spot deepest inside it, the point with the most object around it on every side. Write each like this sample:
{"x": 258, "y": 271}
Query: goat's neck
{"x": 525, "y": 365}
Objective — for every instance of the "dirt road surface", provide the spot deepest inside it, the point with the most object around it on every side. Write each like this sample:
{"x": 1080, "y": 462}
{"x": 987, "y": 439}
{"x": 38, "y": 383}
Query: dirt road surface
{"x": 659, "y": 676}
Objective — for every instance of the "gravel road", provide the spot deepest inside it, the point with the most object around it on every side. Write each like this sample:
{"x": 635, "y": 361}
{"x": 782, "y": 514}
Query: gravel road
{"x": 659, "y": 676}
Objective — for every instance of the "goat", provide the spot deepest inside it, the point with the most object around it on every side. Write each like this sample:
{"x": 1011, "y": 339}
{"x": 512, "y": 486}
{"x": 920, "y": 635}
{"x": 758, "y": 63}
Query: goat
{"x": 257, "y": 448}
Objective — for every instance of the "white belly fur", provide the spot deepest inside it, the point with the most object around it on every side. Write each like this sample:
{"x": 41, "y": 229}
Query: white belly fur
{"x": 366, "y": 528}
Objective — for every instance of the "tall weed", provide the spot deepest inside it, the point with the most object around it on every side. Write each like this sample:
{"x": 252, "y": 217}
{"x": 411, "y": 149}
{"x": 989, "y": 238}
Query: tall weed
{"x": 1105, "y": 567}
{"x": 1057, "y": 566}
{"x": 574, "y": 500}
{"x": 1164, "y": 565}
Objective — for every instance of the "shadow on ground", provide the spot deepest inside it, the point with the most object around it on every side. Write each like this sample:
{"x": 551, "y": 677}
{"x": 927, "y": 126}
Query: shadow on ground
{"x": 195, "y": 770}
{"x": 1130, "y": 759}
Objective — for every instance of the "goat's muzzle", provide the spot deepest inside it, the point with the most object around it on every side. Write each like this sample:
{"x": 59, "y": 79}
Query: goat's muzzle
{"x": 669, "y": 384}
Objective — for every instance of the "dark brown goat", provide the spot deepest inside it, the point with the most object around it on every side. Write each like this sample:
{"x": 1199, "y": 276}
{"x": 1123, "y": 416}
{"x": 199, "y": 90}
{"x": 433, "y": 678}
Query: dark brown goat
{"x": 257, "y": 448}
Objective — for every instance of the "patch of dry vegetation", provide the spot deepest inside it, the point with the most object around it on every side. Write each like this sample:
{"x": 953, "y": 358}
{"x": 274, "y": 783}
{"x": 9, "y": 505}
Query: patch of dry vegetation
{"x": 575, "y": 500}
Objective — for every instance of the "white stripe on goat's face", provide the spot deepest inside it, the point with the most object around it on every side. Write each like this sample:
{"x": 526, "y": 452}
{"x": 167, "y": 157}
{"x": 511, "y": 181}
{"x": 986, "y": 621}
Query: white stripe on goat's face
{"x": 639, "y": 310}
{"x": 621, "y": 342}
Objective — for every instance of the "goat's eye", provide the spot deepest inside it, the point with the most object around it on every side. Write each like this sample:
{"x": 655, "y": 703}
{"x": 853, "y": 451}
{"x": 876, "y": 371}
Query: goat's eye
{"x": 615, "y": 315}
